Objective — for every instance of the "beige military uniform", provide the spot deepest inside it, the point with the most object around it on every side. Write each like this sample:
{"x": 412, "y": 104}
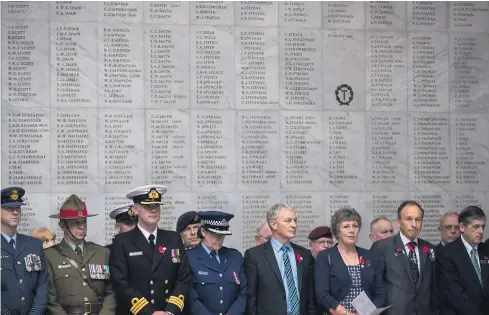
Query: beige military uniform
{"x": 70, "y": 292}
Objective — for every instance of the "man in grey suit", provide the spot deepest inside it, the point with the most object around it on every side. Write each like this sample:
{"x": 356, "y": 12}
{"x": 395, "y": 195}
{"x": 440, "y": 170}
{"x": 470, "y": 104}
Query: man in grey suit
{"x": 407, "y": 263}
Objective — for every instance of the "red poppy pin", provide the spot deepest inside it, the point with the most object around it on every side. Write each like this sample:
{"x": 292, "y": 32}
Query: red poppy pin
{"x": 399, "y": 252}
{"x": 426, "y": 249}
{"x": 486, "y": 258}
{"x": 161, "y": 249}
{"x": 362, "y": 261}
{"x": 299, "y": 257}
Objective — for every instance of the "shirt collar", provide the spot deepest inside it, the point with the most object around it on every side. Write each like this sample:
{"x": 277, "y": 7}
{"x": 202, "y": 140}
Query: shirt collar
{"x": 406, "y": 240}
{"x": 467, "y": 245}
{"x": 277, "y": 246}
{"x": 208, "y": 251}
{"x": 73, "y": 246}
{"x": 8, "y": 238}
{"x": 146, "y": 233}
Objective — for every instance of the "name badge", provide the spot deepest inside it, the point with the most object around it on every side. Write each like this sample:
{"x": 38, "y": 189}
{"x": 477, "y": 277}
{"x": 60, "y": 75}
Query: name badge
{"x": 135, "y": 254}
{"x": 204, "y": 273}
{"x": 64, "y": 266}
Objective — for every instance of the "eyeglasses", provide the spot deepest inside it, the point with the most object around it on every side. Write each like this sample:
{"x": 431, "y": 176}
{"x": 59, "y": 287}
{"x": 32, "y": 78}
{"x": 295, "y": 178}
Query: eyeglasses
{"x": 324, "y": 242}
{"x": 451, "y": 227}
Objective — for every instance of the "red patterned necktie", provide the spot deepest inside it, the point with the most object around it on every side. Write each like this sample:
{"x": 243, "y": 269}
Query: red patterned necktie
{"x": 413, "y": 262}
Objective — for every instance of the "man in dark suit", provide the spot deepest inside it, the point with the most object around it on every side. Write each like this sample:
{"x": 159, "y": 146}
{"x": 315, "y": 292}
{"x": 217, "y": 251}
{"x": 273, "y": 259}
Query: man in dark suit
{"x": 407, "y": 264}
{"x": 280, "y": 273}
{"x": 149, "y": 266}
{"x": 23, "y": 268}
{"x": 464, "y": 268}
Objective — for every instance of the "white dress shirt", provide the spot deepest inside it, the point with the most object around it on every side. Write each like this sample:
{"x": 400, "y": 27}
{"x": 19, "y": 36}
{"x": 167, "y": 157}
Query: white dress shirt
{"x": 469, "y": 247}
{"x": 405, "y": 241}
{"x": 147, "y": 234}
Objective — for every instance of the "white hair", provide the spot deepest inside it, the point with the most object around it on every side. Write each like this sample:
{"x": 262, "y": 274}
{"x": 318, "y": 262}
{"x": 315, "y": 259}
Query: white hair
{"x": 274, "y": 211}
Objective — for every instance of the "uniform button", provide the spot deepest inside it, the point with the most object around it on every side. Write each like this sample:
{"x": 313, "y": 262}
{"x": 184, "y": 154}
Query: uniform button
{"x": 220, "y": 288}
{"x": 152, "y": 301}
{"x": 152, "y": 291}
{"x": 221, "y": 301}
{"x": 166, "y": 291}
{"x": 85, "y": 299}
{"x": 22, "y": 298}
{"x": 84, "y": 284}
{"x": 18, "y": 263}
{"x": 166, "y": 300}
{"x": 202, "y": 283}
{"x": 20, "y": 281}
{"x": 220, "y": 275}
{"x": 151, "y": 282}
{"x": 66, "y": 276}
{"x": 166, "y": 281}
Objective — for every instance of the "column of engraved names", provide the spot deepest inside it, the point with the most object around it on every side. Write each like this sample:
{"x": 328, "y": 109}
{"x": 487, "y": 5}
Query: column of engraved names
{"x": 253, "y": 209}
{"x": 211, "y": 57}
{"x": 462, "y": 200}
{"x": 469, "y": 67}
{"x": 257, "y": 67}
{"x": 308, "y": 208}
{"x": 429, "y": 143}
{"x": 110, "y": 203}
{"x": 25, "y": 46}
{"x": 120, "y": 80}
{"x": 30, "y": 214}
{"x": 259, "y": 151}
{"x": 427, "y": 15}
{"x": 435, "y": 205}
{"x": 301, "y": 151}
{"x": 169, "y": 157}
{"x": 386, "y": 151}
{"x": 428, "y": 84}
{"x": 172, "y": 204}
{"x": 386, "y": 68}
{"x": 73, "y": 77}
{"x": 300, "y": 68}
{"x": 25, "y": 136}
{"x": 470, "y": 152}
{"x": 167, "y": 66}
{"x": 75, "y": 162}
{"x": 213, "y": 147}
{"x": 386, "y": 204}
{"x": 263, "y": 13}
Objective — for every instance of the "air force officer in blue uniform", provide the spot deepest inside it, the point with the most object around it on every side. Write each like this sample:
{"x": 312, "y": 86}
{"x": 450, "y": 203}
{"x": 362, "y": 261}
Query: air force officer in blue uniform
{"x": 23, "y": 270}
{"x": 219, "y": 285}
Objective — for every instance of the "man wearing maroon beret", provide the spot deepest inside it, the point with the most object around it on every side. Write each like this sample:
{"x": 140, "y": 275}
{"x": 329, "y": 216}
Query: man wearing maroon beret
{"x": 320, "y": 238}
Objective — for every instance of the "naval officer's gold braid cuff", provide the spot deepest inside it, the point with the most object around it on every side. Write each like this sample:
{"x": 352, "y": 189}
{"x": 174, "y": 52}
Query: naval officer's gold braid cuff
{"x": 138, "y": 304}
{"x": 178, "y": 301}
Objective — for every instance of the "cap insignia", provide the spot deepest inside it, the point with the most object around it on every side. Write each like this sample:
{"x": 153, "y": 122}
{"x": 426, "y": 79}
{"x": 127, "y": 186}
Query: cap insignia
{"x": 153, "y": 194}
{"x": 15, "y": 195}
{"x": 131, "y": 212}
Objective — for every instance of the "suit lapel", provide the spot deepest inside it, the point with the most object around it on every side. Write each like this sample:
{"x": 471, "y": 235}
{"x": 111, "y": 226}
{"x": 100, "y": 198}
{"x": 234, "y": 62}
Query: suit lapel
{"x": 20, "y": 245}
{"x": 142, "y": 243}
{"x": 466, "y": 261}
{"x": 157, "y": 256}
{"x": 272, "y": 262}
{"x": 88, "y": 252}
{"x": 484, "y": 267}
{"x": 423, "y": 258}
{"x": 223, "y": 256}
{"x": 67, "y": 251}
{"x": 403, "y": 259}
{"x": 207, "y": 260}
{"x": 7, "y": 247}
{"x": 299, "y": 265}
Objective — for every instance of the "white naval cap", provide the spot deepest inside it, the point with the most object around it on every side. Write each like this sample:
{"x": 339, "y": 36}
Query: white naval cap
{"x": 123, "y": 213}
{"x": 147, "y": 195}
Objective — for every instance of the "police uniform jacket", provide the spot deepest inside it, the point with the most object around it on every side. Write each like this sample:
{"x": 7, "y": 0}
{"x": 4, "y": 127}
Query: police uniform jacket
{"x": 68, "y": 287}
{"x": 147, "y": 281}
{"x": 24, "y": 289}
{"x": 218, "y": 288}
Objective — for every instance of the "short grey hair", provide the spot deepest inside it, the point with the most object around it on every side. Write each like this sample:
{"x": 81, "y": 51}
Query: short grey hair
{"x": 260, "y": 227}
{"x": 344, "y": 214}
{"x": 374, "y": 221}
{"x": 446, "y": 215}
{"x": 274, "y": 211}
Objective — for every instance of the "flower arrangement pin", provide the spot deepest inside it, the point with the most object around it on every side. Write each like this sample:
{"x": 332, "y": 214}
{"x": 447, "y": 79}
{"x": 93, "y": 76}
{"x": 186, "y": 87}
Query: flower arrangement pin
{"x": 161, "y": 249}
{"x": 399, "y": 252}
{"x": 485, "y": 260}
{"x": 298, "y": 257}
{"x": 363, "y": 261}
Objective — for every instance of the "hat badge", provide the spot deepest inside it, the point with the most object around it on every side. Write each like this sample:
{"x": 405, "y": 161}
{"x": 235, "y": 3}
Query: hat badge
{"x": 153, "y": 194}
{"x": 80, "y": 213}
{"x": 131, "y": 212}
{"x": 223, "y": 222}
{"x": 15, "y": 195}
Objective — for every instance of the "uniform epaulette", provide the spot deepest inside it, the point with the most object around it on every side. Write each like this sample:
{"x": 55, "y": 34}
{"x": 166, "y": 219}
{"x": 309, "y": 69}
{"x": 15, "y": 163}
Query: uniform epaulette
{"x": 190, "y": 248}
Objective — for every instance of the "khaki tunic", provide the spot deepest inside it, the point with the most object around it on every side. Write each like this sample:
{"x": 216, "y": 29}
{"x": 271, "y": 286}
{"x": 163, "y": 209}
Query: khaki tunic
{"x": 66, "y": 285}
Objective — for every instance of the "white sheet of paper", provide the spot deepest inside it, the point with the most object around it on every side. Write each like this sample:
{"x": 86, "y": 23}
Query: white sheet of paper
{"x": 365, "y": 306}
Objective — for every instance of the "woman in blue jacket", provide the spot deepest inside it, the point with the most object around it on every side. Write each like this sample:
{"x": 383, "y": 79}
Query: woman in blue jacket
{"x": 345, "y": 270}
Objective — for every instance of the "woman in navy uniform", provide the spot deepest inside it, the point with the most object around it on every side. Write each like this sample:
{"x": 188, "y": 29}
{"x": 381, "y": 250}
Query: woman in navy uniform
{"x": 219, "y": 285}
{"x": 23, "y": 269}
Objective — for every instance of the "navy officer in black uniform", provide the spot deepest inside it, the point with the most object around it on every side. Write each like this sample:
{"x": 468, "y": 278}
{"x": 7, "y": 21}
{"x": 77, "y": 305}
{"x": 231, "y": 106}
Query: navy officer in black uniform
{"x": 188, "y": 224}
{"x": 125, "y": 219}
{"x": 220, "y": 286}
{"x": 23, "y": 270}
{"x": 149, "y": 266}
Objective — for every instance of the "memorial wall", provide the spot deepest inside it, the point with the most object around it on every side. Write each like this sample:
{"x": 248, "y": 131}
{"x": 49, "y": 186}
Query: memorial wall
{"x": 236, "y": 106}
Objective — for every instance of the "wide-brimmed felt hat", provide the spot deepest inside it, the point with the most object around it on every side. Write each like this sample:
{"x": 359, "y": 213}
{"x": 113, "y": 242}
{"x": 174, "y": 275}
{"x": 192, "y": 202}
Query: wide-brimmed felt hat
{"x": 72, "y": 208}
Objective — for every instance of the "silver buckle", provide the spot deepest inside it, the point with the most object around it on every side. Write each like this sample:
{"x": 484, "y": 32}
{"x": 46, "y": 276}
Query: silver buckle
{"x": 89, "y": 311}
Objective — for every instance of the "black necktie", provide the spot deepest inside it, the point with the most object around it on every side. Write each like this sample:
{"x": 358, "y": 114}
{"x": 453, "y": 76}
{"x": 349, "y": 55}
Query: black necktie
{"x": 413, "y": 262}
{"x": 12, "y": 243}
{"x": 214, "y": 256}
{"x": 151, "y": 239}
{"x": 79, "y": 252}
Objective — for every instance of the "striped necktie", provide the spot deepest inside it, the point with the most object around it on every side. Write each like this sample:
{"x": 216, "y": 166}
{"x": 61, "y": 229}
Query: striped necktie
{"x": 293, "y": 296}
